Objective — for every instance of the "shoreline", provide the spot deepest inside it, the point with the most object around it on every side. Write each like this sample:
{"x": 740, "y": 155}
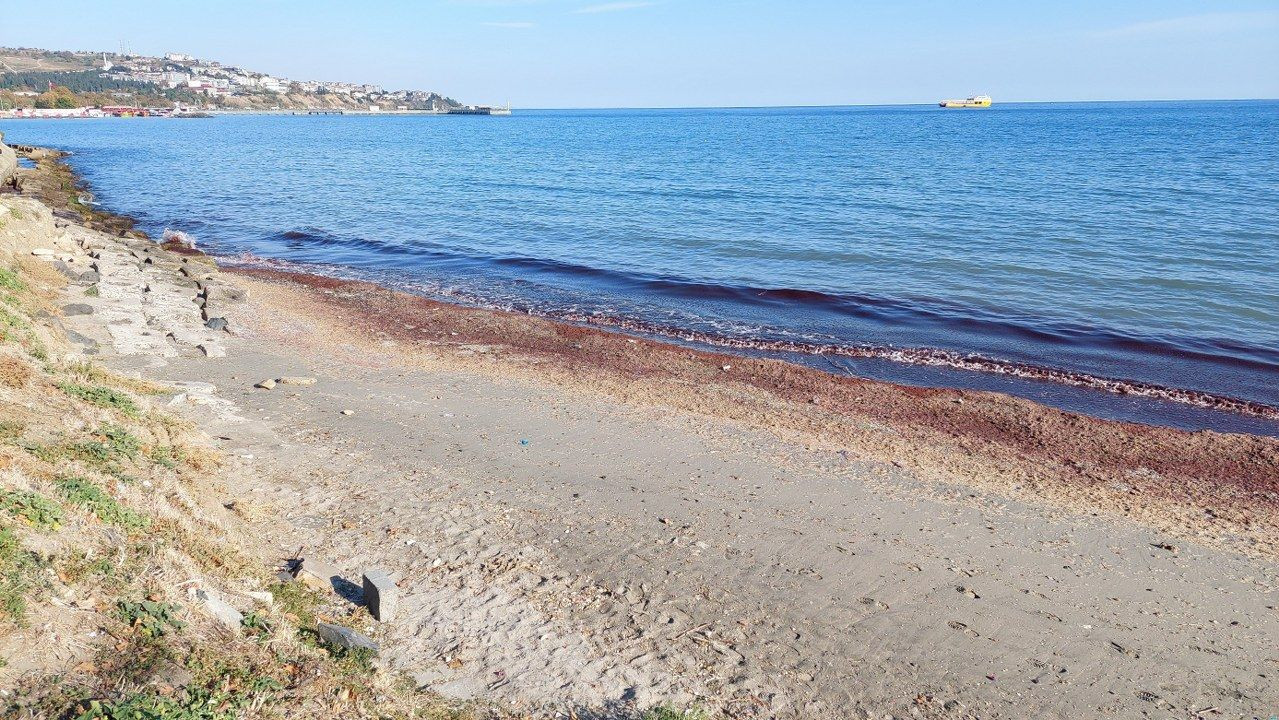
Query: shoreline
{"x": 588, "y": 523}
{"x": 1174, "y": 379}
{"x": 1079, "y": 391}
{"x": 1162, "y": 476}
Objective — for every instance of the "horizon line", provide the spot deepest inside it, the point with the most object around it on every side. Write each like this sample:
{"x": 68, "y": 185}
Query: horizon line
{"x": 886, "y": 104}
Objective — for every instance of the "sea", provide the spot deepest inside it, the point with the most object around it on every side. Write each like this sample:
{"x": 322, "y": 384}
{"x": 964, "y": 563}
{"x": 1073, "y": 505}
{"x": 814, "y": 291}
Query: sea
{"x": 1115, "y": 259}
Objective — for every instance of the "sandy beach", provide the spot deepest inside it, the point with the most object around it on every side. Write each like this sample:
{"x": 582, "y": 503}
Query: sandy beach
{"x": 579, "y": 520}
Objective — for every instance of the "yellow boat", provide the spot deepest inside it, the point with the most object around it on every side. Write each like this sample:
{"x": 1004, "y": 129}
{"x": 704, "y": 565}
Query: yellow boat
{"x": 976, "y": 101}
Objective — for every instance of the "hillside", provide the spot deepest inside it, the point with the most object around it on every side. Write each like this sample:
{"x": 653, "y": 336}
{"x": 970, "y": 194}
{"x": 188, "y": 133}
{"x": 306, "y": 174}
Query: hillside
{"x": 13, "y": 60}
{"x": 32, "y": 77}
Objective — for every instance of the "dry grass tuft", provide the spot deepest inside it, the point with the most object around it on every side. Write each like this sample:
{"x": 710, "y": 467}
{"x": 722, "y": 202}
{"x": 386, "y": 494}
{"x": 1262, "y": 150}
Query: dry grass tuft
{"x": 14, "y": 372}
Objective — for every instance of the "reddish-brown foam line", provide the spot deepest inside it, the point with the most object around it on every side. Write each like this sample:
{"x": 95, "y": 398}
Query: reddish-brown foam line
{"x": 950, "y": 359}
{"x": 1224, "y": 474}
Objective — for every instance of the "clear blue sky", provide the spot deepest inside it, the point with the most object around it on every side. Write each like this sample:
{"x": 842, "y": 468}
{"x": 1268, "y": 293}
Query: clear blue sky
{"x": 644, "y": 53}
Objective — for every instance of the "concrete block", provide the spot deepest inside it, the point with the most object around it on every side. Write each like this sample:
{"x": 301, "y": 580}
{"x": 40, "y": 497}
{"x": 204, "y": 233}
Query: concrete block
{"x": 381, "y": 595}
{"x": 317, "y": 574}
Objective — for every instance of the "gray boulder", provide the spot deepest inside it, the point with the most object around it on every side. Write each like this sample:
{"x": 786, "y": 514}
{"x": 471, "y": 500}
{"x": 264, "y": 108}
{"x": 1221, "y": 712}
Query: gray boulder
{"x": 344, "y": 637}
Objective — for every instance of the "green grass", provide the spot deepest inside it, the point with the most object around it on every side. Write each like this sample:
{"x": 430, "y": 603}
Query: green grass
{"x": 85, "y": 493}
{"x": 119, "y": 441}
{"x": 101, "y": 396}
{"x": 20, "y": 577}
{"x": 12, "y": 320}
{"x": 167, "y": 456}
{"x": 296, "y": 600}
{"x": 150, "y": 619}
{"x": 32, "y": 508}
{"x": 9, "y": 280}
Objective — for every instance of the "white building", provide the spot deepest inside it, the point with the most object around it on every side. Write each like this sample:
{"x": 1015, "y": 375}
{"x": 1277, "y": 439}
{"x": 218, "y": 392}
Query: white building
{"x": 178, "y": 57}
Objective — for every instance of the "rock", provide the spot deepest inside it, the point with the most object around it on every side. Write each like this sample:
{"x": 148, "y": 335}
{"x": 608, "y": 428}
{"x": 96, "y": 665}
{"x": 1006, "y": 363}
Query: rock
{"x": 380, "y": 595}
{"x": 316, "y": 574}
{"x": 79, "y": 339}
{"x": 266, "y": 384}
{"x": 212, "y": 350}
{"x": 299, "y": 381}
{"x": 66, "y": 269}
{"x": 216, "y": 323}
{"x": 223, "y": 612}
{"x": 77, "y": 309}
{"x": 42, "y": 252}
{"x": 262, "y": 596}
{"x": 344, "y": 637}
{"x": 348, "y": 412}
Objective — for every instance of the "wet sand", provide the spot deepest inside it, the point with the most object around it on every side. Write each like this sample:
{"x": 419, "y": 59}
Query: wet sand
{"x": 1218, "y": 487}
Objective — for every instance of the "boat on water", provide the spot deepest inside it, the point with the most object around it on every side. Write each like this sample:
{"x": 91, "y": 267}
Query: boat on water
{"x": 976, "y": 101}
{"x": 479, "y": 110}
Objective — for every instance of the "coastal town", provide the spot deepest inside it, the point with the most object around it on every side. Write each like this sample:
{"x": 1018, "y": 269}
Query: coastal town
{"x": 81, "y": 84}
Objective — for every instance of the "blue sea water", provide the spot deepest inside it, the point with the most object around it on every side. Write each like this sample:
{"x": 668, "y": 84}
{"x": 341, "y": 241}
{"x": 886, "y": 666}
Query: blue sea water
{"x": 989, "y": 249}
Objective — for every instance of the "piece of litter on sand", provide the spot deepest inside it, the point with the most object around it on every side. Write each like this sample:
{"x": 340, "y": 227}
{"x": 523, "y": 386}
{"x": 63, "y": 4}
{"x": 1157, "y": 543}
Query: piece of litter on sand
{"x": 348, "y": 412}
{"x": 523, "y": 441}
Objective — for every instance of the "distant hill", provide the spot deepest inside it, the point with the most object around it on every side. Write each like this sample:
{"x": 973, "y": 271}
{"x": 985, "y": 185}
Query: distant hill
{"x": 59, "y": 78}
{"x": 14, "y": 60}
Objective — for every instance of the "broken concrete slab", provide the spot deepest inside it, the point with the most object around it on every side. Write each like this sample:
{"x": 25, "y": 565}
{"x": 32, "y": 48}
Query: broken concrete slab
{"x": 77, "y": 309}
{"x": 344, "y": 637}
{"x": 317, "y": 574}
{"x": 221, "y": 611}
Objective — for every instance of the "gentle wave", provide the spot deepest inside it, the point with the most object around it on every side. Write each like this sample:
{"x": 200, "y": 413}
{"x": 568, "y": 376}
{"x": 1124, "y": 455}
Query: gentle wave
{"x": 862, "y": 306}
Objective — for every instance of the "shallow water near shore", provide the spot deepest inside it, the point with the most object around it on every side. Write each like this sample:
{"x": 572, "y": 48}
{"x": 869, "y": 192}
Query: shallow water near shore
{"x": 1042, "y": 250}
